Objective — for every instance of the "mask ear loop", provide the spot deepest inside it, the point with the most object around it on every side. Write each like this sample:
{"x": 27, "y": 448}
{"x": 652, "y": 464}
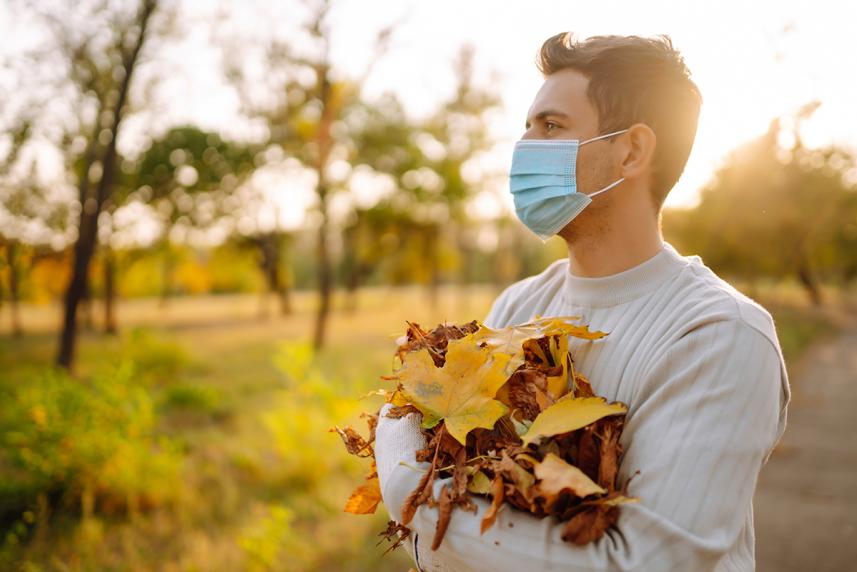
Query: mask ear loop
{"x": 607, "y": 188}
{"x": 605, "y": 136}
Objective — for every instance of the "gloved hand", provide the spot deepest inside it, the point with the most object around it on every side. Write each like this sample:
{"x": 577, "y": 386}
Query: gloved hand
{"x": 396, "y": 441}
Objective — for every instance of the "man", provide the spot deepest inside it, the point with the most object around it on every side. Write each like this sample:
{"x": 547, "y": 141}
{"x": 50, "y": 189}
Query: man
{"x": 697, "y": 362}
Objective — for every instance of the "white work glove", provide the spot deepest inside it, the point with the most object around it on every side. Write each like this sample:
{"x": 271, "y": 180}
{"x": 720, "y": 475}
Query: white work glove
{"x": 396, "y": 442}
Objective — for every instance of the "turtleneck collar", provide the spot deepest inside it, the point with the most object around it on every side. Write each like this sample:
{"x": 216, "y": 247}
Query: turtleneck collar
{"x": 605, "y": 291}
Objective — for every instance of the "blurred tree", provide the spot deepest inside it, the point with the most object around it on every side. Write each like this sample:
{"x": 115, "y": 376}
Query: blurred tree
{"x": 272, "y": 246}
{"x": 776, "y": 209}
{"x": 91, "y": 53}
{"x": 189, "y": 177}
{"x": 370, "y": 238}
{"x": 32, "y": 217}
{"x": 428, "y": 161}
{"x": 383, "y": 148}
{"x": 461, "y": 128}
{"x": 302, "y": 107}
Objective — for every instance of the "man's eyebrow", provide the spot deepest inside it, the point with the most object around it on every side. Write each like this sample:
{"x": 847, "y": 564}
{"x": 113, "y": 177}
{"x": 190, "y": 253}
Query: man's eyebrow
{"x": 548, "y": 113}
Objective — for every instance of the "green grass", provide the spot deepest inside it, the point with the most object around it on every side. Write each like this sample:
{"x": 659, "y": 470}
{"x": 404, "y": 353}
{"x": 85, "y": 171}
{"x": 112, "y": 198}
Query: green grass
{"x": 262, "y": 482}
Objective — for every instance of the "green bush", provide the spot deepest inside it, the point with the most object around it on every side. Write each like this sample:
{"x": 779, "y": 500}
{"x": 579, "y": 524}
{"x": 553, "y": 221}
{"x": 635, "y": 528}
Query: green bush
{"x": 87, "y": 443}
{"x": 157, "y": 361}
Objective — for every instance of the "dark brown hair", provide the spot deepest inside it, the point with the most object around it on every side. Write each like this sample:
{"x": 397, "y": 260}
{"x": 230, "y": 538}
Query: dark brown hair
{"x": 635, "y": 80}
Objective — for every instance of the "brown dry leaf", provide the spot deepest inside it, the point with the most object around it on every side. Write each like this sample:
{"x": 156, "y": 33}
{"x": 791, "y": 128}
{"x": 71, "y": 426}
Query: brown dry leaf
{"x": 365, "y": 498}
{"x": 434, "y": 341}
{"x": 611, "y": 450}
{"x": 518, "y": 475}
{"x": 444, "y": 514}
{"x": 354, "y": 443}
{"x": 569, "y": 414}
{"x": 588, "y": 453}
{"x": 461, "y": 393}
{"x": 399, "y": 411}
{"x": 590, "y": 523}
{"x": 460, "y": 474}
{"x": 555, "y": 476}
{"x": 418, "y": 496}
{"x": 525, "y": 393}
{"x": 395, "y": 533}
{"x": 582, "y": 387}
{"x": 490, "y": 515}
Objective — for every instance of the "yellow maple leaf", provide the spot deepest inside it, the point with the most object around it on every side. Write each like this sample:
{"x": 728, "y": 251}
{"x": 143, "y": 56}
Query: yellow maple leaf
{"x": 569, "y": 414}
{"x": 365, "y": 498}
{"x": 461, "y": 393}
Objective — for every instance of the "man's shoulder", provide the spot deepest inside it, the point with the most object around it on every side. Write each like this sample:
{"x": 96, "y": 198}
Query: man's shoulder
{"x": 711, "y": 298}
{"x": 712, "y": 301}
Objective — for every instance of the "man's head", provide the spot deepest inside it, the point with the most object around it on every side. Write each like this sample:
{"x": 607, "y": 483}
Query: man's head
{"x": 610, "y": 83}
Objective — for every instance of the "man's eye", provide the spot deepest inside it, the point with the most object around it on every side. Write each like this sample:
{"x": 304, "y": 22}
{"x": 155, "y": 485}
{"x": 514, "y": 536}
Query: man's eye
{"x": 550, "y": 124}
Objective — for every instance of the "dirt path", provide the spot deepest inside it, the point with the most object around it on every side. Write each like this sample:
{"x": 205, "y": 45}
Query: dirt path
{"x": 806, "y": 499}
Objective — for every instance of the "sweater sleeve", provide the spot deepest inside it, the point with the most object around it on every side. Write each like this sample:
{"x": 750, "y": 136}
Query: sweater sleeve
{"x": 703, "y": 422}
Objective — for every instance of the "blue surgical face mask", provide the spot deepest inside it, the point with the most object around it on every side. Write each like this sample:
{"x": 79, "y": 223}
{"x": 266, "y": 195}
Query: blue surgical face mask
{"x": 544, "y": 184}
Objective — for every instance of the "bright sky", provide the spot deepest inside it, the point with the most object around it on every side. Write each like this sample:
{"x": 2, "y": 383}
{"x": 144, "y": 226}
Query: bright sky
{"x": 753, "y": 60}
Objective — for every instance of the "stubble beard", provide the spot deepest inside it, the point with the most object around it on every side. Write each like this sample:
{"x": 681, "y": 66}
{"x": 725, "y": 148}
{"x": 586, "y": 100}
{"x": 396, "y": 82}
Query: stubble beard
{"x": 593, "y": 222}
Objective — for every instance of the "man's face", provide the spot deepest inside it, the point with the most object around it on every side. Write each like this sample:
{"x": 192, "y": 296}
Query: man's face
{"x": 562, "y": 110}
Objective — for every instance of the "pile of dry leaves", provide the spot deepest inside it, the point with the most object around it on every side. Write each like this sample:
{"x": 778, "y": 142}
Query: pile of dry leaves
{"x": 507, "y": 417}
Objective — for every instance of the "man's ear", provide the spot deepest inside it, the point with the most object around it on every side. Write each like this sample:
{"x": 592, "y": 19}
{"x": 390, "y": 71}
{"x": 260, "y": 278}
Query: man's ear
{"x": 638, "y": 151}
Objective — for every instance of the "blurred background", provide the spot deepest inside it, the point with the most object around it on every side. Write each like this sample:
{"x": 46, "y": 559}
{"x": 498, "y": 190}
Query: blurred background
{"x": 215, "y": 218}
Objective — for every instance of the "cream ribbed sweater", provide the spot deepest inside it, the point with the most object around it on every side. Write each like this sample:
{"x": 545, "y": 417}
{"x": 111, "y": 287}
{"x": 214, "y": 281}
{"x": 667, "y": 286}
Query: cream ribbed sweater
{"x": 699, "y": 366}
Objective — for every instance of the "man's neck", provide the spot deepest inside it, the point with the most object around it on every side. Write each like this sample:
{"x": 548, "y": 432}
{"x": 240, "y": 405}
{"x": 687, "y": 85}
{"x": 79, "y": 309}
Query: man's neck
{"x": 611, "y": 253}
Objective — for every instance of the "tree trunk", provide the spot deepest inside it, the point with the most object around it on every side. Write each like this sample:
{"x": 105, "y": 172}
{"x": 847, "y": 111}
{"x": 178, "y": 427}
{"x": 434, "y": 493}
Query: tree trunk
{"x": 324, "y": 277}
{"x": 279, "y": 278}
{"x": 75, "y": 292}
{"x": 466, "y": 277}
{"x": 285, "y": 297}
{"x": 86, "y": 307}
{"x": 350, "y": 267}
{"x": 2, "y": 297}
{"x": 84, "y": 247}
{"x": 167, "y": 267}
{"x": 810, "y": 284}
{"x": 270, "y": 248}
{"x": 324, "y": 142}
{"x": 352, "y": 283}
{"x": 14, "y": 287}
{"x": 433, "y": 263}
{"x": 109, "y": 291}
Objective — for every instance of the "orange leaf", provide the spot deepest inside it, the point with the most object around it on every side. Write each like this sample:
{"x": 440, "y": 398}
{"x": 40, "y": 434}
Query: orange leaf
{"x": 365, "y": 498}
